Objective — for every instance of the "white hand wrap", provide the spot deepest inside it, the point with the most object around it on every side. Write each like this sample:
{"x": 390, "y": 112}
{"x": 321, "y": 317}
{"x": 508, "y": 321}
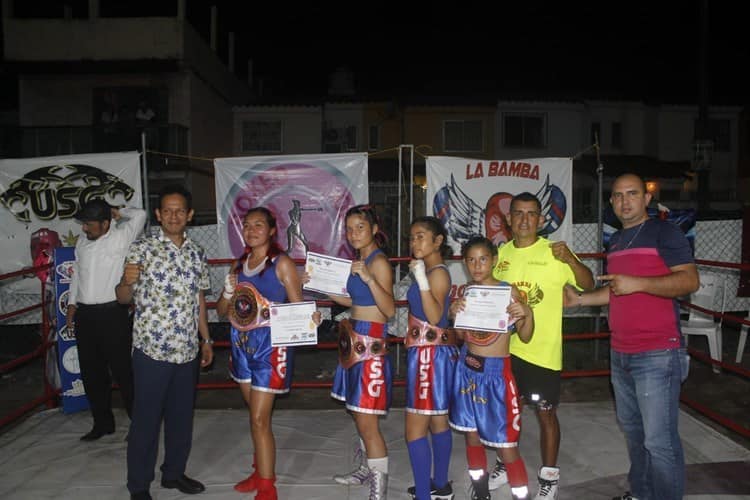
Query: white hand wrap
{"x": 420, "y": 275}
{"x": 228, "y": 287}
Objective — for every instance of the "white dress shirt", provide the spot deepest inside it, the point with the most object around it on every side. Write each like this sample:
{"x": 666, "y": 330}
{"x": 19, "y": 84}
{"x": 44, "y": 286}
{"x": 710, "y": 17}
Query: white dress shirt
{"x": 99, "y": 263}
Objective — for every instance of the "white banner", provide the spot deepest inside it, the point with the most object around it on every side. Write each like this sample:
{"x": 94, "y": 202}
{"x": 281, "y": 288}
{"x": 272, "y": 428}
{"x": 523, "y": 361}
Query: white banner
{"x": 45, "y": 193}
{"x": 473, "y": 196}
{"x": 308, "y": 194}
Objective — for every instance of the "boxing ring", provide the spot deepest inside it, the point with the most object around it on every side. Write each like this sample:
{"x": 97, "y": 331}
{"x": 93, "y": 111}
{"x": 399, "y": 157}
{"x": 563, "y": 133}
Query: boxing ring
{"x": 41, "y": 456}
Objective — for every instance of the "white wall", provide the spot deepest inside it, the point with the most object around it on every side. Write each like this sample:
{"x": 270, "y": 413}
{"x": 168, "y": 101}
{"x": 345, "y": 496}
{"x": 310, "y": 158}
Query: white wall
{"x": 301, "y": 125}
{"x": 563, "y": 133}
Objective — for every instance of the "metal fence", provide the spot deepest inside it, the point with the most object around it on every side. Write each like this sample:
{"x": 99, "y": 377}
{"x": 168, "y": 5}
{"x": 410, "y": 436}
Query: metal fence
{"x": 715, "y": 240}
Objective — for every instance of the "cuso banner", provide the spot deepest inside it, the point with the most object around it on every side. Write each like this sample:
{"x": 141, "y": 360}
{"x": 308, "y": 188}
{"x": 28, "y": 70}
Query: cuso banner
{"x": 473, "y": 196}
{"x": 45, "y": 193}
{"x": 308, "y": 194}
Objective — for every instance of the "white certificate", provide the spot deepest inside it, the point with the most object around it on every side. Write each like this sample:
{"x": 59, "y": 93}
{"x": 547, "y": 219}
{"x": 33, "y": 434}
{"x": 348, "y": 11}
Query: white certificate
{"x": 485, "y": 309}
{"x": 328, "y": 274}
{"x": 292, "y": 324}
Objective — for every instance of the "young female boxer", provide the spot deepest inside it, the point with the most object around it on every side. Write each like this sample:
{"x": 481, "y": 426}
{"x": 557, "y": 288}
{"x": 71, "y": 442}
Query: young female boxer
{"x": 261, "y": 370}
{"x": 431, "y": 356}
{"x": 363, "y": 376}
{"x": 485, "y": 399}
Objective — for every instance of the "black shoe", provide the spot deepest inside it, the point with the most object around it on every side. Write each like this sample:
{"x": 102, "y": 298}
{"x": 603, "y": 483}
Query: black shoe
{"x": 143, "y": 495}
{"x": 444, "y": 493}
{"x": 184, "y": 484}
{"x": 480, "y": 488}
{"x": 95, "y": 434}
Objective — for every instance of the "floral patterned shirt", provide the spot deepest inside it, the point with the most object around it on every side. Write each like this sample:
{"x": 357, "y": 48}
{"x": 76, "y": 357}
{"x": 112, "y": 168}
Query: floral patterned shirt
{"x": 167, "y": 297}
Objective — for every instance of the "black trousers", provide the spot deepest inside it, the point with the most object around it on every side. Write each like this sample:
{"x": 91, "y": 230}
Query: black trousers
{"x": 104, "y": 336}
{"x": 165, "y": 392}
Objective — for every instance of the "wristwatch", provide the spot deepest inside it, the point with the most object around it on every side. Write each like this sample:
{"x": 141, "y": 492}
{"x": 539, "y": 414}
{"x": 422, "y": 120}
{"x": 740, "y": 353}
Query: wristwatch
{"x": 205, "y": 341}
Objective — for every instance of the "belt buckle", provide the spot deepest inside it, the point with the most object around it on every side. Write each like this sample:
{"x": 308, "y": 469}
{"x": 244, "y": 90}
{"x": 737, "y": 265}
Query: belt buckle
{"x": 354, "y": 347}
{"x": 421, "y": 333}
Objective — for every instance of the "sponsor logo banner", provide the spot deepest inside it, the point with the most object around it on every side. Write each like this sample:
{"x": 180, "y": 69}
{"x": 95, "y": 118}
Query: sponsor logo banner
{"x": 472, "y": 196}
{"x": 308, "y": 194}
{"x": 45, "y": 194}
{"x": 71, "y": 385}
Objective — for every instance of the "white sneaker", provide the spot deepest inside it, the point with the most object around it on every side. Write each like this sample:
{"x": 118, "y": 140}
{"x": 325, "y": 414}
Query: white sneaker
{"x": 498, "y": 476}
{"x": 378, "y": 485}
{"x": 548, "y": 479}
{"x": 358, "y": 476}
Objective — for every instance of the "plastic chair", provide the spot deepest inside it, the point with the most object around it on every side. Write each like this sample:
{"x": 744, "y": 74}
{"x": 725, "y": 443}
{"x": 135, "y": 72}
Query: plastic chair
{"x": 741, "y": 344}
{"x": 699, "y": 323}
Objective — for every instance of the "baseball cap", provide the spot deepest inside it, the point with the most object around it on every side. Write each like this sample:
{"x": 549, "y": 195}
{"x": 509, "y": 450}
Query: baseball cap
{"x": 94, "y": 210}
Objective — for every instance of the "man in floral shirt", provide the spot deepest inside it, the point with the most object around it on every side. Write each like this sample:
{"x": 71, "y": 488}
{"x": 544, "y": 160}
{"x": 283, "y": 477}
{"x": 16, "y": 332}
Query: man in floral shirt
{"x": 165, "y": 275}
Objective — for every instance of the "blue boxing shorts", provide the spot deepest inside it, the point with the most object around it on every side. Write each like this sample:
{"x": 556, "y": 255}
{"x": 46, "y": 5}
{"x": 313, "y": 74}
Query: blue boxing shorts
{"x": 429, "y": 378}
{"x": 366, "y": 386}
{"x": 485, "y": 399}
{"x": 252, "y": 360}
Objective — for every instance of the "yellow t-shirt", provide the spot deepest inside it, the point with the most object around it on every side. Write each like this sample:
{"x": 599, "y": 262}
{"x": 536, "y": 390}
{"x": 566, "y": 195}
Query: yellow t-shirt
{"x": 540, "y": 278}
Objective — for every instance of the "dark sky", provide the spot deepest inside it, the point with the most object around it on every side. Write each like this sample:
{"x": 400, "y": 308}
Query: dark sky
{"x": 647, "y": 50}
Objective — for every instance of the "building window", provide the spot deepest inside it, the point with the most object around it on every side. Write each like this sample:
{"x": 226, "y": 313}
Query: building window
{"x": 462, "y": 135}
{"x": 373, "y": 138}
{"x": 340, "y": 139}
{"x": 596, "y": 133}
{"x": 260, "y": 136}
{"x": 721, "y": 135}
{"x": 617, "y": 135}
{"x": 524, "y": 131}
{"x": 719, "y": 131}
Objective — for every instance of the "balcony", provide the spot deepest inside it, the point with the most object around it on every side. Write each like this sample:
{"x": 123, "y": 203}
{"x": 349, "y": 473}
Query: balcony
{"x": 30, "y": 142}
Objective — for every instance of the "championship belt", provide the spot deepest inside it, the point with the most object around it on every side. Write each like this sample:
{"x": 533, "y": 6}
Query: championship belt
{"x": 248, "y": 309}
{"x": 354, "y": 347}
{"x": 421, "y": 333}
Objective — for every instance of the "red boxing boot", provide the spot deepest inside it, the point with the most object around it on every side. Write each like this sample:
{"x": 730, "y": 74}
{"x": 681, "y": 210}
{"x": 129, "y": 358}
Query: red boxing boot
{"x": 250, "y": 483}
{"x": 266, "y": 489}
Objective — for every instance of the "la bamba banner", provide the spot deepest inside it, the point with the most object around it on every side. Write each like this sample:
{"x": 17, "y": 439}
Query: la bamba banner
{"x": 472, "y": 196}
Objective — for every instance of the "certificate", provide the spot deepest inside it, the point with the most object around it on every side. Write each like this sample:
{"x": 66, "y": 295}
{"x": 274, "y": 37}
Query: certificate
{"x": 328, "y": 274}
{"x": 485, "y": 309}
{"x": 292, "y": 324}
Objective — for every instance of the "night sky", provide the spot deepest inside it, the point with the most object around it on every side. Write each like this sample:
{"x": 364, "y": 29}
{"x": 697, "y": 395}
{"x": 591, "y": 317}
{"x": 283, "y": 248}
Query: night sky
{"x": 614, "y": 50}
{"x": 640, "y": 50}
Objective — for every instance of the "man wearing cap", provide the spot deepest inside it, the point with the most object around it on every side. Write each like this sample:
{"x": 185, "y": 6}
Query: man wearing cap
{"x": 101, "y": 325}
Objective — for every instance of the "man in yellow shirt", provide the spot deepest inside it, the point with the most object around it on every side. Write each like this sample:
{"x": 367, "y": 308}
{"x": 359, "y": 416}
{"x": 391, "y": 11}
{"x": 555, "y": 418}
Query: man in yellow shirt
{"x": 540, "y": 269}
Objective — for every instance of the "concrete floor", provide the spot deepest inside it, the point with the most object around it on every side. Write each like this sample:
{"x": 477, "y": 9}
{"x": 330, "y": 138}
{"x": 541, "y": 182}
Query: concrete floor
{"x": 43, "y": 457}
